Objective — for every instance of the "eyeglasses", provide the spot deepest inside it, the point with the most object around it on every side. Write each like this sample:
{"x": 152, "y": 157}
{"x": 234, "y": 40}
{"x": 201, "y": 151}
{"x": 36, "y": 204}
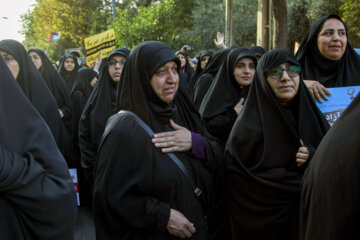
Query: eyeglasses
{"x": 277, "y": 72}
{"x": 114, "y": 63}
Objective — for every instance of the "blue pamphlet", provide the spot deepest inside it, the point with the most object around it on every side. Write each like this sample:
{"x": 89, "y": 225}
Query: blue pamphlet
{"x": 339, "y": 99}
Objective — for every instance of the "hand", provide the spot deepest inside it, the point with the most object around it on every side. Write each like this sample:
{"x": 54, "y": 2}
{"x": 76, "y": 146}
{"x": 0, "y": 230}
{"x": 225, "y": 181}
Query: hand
{"x": 302, "y": 155}
{"x": 184, "y": 48}
{"x": 220, "y": 40}
{"x": 179, "y": 225}
{"x": 238, "y": 107}
{"x": 98, "y": 63}
{"x": 178, "y": 140}
{"x": 61, "y": 114}
{"x": 317, "y": 90}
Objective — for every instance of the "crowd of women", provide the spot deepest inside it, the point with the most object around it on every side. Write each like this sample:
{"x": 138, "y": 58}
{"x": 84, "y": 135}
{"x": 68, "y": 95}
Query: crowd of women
{"x": 234, "y": 148}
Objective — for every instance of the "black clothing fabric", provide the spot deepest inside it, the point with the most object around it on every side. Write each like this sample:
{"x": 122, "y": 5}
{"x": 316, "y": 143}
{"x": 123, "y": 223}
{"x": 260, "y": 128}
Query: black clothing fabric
{"x": 100, "y": 105}
{"x": 262, "y": 178}
{"x": 257, "y": 50}
{"x": 37, "y": 196}
{"x": 35, "y": 89}
{"x": 58, "y": 89}
{"x": 217, "y": 108}
{"x": 186, "y": 72}
{"x": 329, "y": 208}
{"x": 69, "y": 77}
{"x": 204, "y": 81}
{"x": 136, "y": 203}
{"x": 330, "y": 73}
{"x": 198, "y": 70}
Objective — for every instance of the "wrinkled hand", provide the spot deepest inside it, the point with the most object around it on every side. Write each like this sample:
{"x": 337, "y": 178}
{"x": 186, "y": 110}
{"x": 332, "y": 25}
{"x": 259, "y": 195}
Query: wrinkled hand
{"x": 238, "y": 107}
{"x": 302, "y": 155}
{"x": 179, "y": 225}
{"x": 61, "y": 114}
{"x": 178, "y": 140}
{"x": 317, "y": 90}
{"x": 220, "y": 40}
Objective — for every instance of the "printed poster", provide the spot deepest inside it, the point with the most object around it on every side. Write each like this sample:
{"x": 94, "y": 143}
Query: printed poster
{"x": 99, "y": 44}
{"x": 339, "y": 99}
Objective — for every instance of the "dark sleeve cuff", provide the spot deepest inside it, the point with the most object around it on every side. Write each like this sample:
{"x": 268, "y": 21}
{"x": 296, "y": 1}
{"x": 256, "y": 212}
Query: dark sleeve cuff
{"x": 198, "y": 146}
{"x": 163, "y": 216}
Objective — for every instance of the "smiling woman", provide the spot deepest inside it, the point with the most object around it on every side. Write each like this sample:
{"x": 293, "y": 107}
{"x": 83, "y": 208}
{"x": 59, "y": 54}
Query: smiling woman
{"x": 327, "y": 58}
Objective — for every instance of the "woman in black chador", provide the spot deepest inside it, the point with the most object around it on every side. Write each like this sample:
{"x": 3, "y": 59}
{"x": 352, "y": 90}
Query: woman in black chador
{"x": 268, "y": 149}
{"x": 330, "y": 196}
{"x": 139, "y": 193}
{"x": 227, "y": 93}
{"x": 68, "y": 70}
{"x": 327, "y": 57}
{"x": 37, "y": 196}
{"x": 204, "y": 58}
{"x": 186, "y": 71}
{"x": 56, "y": 85}
{"x": 35, "y": 89}
{"x": 99, "y": 107}
{"x": 204, "y": 81}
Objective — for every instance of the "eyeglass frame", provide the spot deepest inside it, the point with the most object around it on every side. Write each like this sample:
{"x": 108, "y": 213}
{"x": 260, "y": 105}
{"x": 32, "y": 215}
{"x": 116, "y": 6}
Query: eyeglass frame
{"x": 122, "y": 63}
{"x": 282, "y": 72}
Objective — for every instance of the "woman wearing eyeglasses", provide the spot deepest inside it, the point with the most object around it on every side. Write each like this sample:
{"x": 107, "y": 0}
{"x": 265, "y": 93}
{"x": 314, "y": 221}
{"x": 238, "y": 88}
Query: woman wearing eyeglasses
{"x": 268, "y": 149}
{"x": 99, "y": 107}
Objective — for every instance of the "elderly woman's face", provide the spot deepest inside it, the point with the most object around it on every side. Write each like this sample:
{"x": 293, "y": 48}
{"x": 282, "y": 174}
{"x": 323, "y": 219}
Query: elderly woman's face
{"x": 332, "y": 39}
{"x": 165, "y": 81}
{"x": 11, "y": 62}
{"x": 284, "y": 80}
{"x": 35, "y": 59}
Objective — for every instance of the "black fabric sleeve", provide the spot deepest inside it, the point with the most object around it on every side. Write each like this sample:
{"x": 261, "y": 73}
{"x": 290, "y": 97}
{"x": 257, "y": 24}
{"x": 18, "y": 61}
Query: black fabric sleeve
{"x": 40, "y": 190}
{"x": 88, "y": 149}
{"x": 127, "y": 193}
{"x": 220, "y": 126}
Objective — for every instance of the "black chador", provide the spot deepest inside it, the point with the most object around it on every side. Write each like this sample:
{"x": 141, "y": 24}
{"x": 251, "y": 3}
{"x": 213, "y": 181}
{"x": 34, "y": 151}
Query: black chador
{"x": 204, "y": 81}
{"x": 35, "y": 89}
{"x": 262, "y": 178}
{"x": 37, "y": 196}
{"x": 135, "y": 183}
{"x": 58, "y": 89}
{"x": 69, "y": 77}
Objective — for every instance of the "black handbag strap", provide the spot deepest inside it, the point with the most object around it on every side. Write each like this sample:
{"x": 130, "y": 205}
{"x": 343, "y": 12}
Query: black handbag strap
{"x": 172, "y": 156}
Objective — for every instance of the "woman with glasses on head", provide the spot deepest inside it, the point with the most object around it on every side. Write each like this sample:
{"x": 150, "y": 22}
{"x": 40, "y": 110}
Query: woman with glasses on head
{"x": 269, "y": 147}
{"x": 99, "y": 107}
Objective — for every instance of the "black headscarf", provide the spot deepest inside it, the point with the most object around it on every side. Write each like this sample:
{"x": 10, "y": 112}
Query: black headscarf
{"x": 257, "y": 50}
{"x": 189, "y": 71}
{"x": 35, "y": 89}
{"x": 331, "y": 184}
{"x": 82, "y": 84}
{"x": 224, "y": 92}
{"x": 69, "y": 77}
{"x": 36, "y": 192}
{"x": 205, "y": 79}
{"x": 261, "y": 153}
{"x": 330, "y": 73}
{"x": 100, "y": 105}
{"x": 57, "y": 87}
{"x": 198, "y": 70}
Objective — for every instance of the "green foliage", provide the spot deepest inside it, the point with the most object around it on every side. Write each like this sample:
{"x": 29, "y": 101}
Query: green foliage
{"x": 318, "y": 8}
{"x": 159, "y": 21}
{"x": 298, "y": 23}
{"x": 351, "y": 15}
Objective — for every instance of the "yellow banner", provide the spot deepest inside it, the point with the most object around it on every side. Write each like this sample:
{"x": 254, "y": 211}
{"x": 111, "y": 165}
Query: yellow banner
{"x": 99, "y": 45}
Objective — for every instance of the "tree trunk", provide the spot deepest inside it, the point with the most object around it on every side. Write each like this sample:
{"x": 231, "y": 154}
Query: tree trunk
{"x": 280, "y": 37}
